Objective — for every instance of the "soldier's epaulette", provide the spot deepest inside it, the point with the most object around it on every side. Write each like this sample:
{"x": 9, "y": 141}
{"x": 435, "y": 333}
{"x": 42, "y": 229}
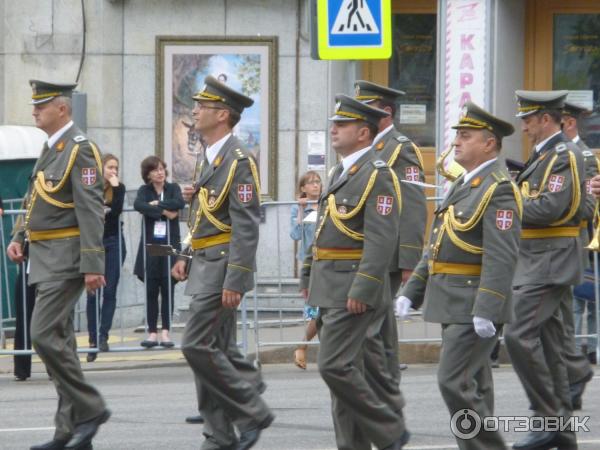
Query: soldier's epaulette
{"x": 561, "y": 147}
{"x": 379, "y": 164}
{"x": 239, "y": 154}
{"x": 500, "y": 177}
{"x": 80, "y": 138}
{"x": 587, "y": 153}
{"x": 402, "y": 138}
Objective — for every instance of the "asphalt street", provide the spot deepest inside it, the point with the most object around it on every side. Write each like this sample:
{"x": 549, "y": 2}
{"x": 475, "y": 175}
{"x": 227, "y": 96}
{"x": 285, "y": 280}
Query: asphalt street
{"x": 149, "y": 407}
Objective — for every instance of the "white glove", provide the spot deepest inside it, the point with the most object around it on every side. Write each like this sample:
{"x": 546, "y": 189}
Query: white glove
{"x": 483, "y": 327}
{"x": 402, "y": 306}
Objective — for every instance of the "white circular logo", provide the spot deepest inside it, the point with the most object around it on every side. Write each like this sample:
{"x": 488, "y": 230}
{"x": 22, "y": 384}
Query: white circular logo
{"x": 465, "y": 424}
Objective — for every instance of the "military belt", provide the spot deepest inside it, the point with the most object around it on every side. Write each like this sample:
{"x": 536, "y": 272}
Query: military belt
{"x": 550, "y": 232}
{"x": 46, "y": 235}
{"x": 210, "y": 241}
{"x": 336, "y": 253}
{"x": 454, "y": 268}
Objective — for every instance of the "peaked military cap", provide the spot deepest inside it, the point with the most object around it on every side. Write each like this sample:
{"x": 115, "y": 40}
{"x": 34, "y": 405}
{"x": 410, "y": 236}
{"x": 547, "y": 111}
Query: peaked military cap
{"x": 215, "y": 91}
{"x": 348, "y": 108}
{"x": 367, "y": 91}
{"x": 575, "y": 110}
{"x": 478, "y": 118}
{"x": 44, "y": 91}
{"x": 531, "y": 102}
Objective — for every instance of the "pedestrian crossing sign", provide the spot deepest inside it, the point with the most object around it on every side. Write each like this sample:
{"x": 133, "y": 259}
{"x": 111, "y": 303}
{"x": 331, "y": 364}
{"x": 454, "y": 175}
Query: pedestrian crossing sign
{"x": 352, "y": 29}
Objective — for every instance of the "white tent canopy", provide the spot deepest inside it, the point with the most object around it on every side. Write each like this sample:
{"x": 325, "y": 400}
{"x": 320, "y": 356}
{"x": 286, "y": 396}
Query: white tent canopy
{"x": 19, "y": 142}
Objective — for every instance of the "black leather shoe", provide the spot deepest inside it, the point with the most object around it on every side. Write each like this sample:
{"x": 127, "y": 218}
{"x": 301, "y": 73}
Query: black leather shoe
{"x": 148, "y": 344}
{"x": 103, "y": 347}
{"x": 402, "y": 366}
{"x": 577, "y": 391}
{"x": 250, "y": 437}
{"x": 261, "y": 387}
{"x": 54, "y": 444}
{"x": 167, "y": 344}
{"x": 194, "y": 419}
{"x": 85, "y": 432}
{"x": 91, "y": 357}
{"x": 538, "y": 440}
{"x": 400, "y": 442}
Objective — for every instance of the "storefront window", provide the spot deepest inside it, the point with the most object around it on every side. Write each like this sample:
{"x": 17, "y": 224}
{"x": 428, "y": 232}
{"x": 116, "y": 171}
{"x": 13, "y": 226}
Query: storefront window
{"x": 576, "y": 57}
{"x": 412, "y": 70}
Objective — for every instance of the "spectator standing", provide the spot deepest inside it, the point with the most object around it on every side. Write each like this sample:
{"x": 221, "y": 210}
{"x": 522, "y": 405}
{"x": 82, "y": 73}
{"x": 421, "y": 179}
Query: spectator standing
{"x": 159, "y": 202}
{"x": 114, "y": 251}
{"x": 303, "y": 225}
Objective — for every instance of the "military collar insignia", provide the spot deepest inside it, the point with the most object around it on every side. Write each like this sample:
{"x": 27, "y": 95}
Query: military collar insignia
{"x": 218, "y": 161}
{"x": 353, "y": 169}
{"x": 542, "y": 156}
{"x": 476, "y": 182}
{"x": 79, "y": 138}
{"x": 380, "y": 145}
{"x": 60, "y": 146}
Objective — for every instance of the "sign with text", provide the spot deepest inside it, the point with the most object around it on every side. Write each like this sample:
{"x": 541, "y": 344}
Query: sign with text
{"x": 465, "y": 65}
{"x": 351, "y": 29}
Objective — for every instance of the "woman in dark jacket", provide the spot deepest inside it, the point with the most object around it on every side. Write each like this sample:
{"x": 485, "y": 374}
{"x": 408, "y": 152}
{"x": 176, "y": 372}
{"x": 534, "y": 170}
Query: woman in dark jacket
{"x": 114, "y": 255}
{"x": 159, "y": 201}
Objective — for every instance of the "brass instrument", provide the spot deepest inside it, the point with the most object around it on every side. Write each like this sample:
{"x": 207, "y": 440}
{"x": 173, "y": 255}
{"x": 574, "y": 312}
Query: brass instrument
{"x": 594, "y": 244}
{"x": 454, "y": 170}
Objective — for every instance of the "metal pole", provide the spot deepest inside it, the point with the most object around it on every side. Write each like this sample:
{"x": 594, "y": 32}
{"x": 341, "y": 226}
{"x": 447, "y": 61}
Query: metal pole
{"x": 120, "y": 237}
{"x": 256, "y": 331}
{"x": 597, "y": 296}
{"x": 145, "y": 273}
{"x": 4, "y": 264}
{"x": 169, "y": 282}
{"x": 24, "y": 301}
{"x": 279, "y": 287}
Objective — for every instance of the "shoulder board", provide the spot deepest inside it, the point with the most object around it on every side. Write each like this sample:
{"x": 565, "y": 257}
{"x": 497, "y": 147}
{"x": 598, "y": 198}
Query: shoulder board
{"x": 239, "y": 154}
{"x": 402, "y": 138}
{"x": 378, "y": 164}
{"x": 79, "y": 138}
{"x": 561, "y": 147}
{"x": 587, "y": 153}
{"x": 500, "y": 177}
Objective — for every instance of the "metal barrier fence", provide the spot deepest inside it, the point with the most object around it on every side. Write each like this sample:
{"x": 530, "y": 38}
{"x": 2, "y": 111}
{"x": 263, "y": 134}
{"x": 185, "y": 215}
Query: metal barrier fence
{"x": 274, "y": 309}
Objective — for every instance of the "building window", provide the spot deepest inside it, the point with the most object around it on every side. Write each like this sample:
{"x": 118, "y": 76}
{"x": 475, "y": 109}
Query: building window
{"x": 412, "y": 70}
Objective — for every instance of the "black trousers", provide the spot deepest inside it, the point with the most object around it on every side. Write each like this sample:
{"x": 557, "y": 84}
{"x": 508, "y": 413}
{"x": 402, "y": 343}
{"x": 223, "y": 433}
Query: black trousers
{"x": 24, "y": 310}
{"x": 154, "y": 286}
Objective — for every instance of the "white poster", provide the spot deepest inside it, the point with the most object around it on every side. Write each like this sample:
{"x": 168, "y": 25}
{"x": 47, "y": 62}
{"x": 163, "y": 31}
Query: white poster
{"x": 465, "y": 54}
{"x": 316, "y": 150}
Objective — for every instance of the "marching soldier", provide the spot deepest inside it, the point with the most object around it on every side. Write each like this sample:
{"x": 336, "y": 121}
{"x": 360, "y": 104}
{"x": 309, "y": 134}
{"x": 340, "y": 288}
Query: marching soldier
{"x": 549, "y": 262}
{"x": 64, "y": 225}
{"x": 579, "y": 370}
{"x": 405, "y": 159}
{"x": 224, "y": 222}
{"x": 465, "y": 275}
{"x": 348, "y": 274}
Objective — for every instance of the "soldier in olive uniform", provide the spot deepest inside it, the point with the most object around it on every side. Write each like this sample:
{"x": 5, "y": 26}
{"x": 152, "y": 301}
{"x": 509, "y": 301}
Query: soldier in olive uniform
{"x": 64, "y": 225}
{"x": 405, "y": 159}
{"x": 579, "y": 370}
{"x": 549, "y": 262}
{"x": 348, "y": 276}
{"x": 224, "y": 222}
{"x": 465, "y": 275}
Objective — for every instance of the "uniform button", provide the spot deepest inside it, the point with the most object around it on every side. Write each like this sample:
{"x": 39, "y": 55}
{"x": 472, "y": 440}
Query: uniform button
{"x": 469, "y": 282}
{"x": 431, "y": 246}
{"x": 345, "y": 200}
{"x": 459, "y": 213}
{"x": 222, "y": 252}
{"x": 435, "y": 230}
{"x": 440, "y": 215}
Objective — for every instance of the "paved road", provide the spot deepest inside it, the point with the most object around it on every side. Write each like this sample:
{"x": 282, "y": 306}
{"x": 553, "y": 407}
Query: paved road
{"x": 149, "y": 406}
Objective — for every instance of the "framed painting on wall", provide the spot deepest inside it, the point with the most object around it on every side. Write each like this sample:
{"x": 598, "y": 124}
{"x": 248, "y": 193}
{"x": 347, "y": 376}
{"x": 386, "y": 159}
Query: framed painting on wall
{"x": 248, "y": 65}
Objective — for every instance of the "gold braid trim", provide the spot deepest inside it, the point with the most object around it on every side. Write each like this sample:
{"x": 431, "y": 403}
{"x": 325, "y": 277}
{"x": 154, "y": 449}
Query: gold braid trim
{"x": 97, "y": 157}
{"x": 419, "y": 155}
{"x": 39, "y": 188}
{"x": 53, "y": 190}
{"x": 518, "y": 199}
{"x": 255, "y": 175}
{"x": 207, "y": 210}
{"x": 394, "y": 155}
{"x": 397, "y": 151}
{"x": 337, "y": 217}
{"x": 525, "y": 186}
{"x": 576, "y": 198}
{"x": 452, "y": 225}
{"x": 397, "y": 189}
